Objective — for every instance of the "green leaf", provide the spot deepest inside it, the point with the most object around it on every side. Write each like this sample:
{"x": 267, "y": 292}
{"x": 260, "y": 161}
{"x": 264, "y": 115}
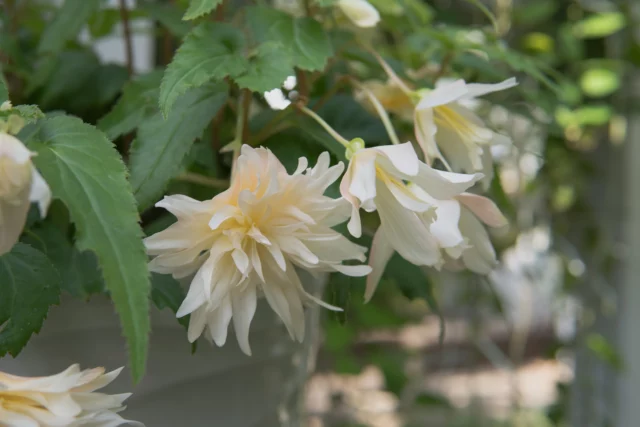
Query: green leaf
{"x": 29, "y": 285}
{"x": 268, "y": 69}
{"x": 67, "y": 23}
{"x": 79, "y": 271}
{"x": 85, "y": 171}
{"x": 161, "y": 145}
{"x": 138, "y": 101}
{"x": 212, "y": 51}
{"x": 166, "y": 292}
{"x": 198, "y": 8}
{"x": 168, "y": 15}
{"x": 599, "y": 82}
{"x": 305, "y": 39}
{"x": 29, "y": 113}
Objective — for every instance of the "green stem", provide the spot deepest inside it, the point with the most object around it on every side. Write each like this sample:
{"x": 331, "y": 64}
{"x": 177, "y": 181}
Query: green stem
{"x": 325, "y": 125}
{"x": 386, "y": 121}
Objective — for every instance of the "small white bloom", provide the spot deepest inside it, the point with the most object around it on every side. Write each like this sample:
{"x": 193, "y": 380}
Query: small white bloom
{"x": 375, "y": 180}
{"x": 444, "y": 125}
{"x": 247, "y": 241}
{"x": 67, "y": 399}
{"x": 20, "y": 184}
{"x": 360, "y": 12}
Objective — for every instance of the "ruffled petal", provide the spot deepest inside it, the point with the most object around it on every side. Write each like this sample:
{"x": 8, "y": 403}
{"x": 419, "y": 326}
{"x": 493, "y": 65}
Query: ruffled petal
{"x": 381, "y": 253}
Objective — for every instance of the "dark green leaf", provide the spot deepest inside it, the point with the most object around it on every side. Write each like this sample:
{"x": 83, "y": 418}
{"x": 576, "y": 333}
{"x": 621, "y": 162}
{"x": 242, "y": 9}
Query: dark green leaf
{"x": 168, "y": 15}
{"x": 161, "y": 145}
{"x": 67, "y": 23}
{"x": 198, "y": 8}
{"x": 85, "y": 171}
{"x": 268, "y": 69}
{"x": 166, "y": 292}
{"x": 79, "y": 271}
{"x": 212, "y": 51}
{"x": 29, "y": 285}
{"x": 138, "y": 101}
{"x": 305, "y": 39}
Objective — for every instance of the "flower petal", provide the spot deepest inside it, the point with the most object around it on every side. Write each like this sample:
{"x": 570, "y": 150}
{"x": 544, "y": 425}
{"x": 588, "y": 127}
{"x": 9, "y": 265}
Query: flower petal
{"x": 484, "y": 208}
{"x": 478, "y": 89}
{"x": 381, "y": 253}
{"x": 443, "y": 95}
{"x": 360, "y": 12}
{"x": 218, "y": 322}
{"x": 403, "y": 157}
{"x": 40, "y": 192}
{"x": 244, "y": 308}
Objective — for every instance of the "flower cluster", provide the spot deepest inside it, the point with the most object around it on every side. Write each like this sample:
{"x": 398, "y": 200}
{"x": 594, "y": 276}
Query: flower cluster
{"x": 65, "y": 399}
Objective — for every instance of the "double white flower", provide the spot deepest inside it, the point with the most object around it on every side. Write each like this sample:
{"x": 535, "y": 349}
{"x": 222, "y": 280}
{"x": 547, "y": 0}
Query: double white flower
{"x": 20, "y": 184}
{"x": 376, "y": 180}
{"x": 247, "y": 241}
{"x": 68, "y": 399}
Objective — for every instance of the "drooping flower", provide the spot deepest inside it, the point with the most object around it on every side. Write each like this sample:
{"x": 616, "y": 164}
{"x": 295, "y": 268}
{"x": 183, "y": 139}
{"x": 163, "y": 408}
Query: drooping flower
{"x": 460, "y": 232}
{"x": 68, "y": 399}
{"x": 360, "y": 12}
{"x": 20, "y": 184}
{"x": 391, "y": 97}
{"x": 375, "y": 180}
{"x": 443, "y": 124}
{"x": 247, "y": 241}
{"x": 445, "y": 127}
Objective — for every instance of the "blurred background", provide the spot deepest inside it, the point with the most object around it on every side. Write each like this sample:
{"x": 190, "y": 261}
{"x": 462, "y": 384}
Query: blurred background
{"x": 551, "y": 337}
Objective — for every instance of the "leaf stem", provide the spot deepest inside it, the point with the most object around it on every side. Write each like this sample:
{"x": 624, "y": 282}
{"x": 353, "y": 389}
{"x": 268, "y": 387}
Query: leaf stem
{"x": 128, "y": 48}
{"x": 325, "y": 125}
{"x": 203, "y": 180}
{"x": 384, "y": 116}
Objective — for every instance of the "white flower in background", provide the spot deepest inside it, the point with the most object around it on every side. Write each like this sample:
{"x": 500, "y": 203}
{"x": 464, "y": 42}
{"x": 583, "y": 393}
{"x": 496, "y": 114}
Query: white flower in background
{"x": 391, "y": 97}
{"x": 444, "y": 125}
{"x": 20, "y": 184}
{"x": 360, "y": 12}
{"x": 66, "y": 399}
{"x": 247, "y": 241}
{"x": 375, "y": 181}
{"x": 460, "y": 232}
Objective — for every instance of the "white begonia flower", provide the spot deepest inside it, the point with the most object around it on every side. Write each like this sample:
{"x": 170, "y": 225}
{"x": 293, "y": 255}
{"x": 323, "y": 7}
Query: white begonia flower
{"x": 459, "y": 230}
{"x": 20, "y": 184}
{"x": 375, "y": 180}
{"x": 448, "y": 130}
{"x": 360, "y": 12}
{"x": 67, "y": 399}
{"x": 247, "y": 241}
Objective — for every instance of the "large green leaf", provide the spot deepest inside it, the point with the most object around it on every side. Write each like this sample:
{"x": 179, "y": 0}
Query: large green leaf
{"x": 167, "y": 14}
{"x": 198, "y": 8}
{"x": 138, "y": 101}
{"x": 79, "y": 271}
{"x": 67, "y": 23}
{"x": 211, "y": 51}
{"x": 305, "y": 39}
{"x": 161, "y": 145}
{"x": 268, "y": 69}
{"x": 29, "y": 285}
{"x": 85, "y": 171}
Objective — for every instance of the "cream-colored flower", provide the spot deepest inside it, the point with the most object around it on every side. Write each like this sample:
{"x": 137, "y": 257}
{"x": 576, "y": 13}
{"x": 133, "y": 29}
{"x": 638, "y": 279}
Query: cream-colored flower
{"x": 375, "y": 180}
{"x": 247, "y": 241}
{"x": 68, "y": 399}
{"x": 360, "y": 12}
{"x": 444, "y": 125}
{"x": 459, "y": 230}
{"x": 20, "y": 184}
